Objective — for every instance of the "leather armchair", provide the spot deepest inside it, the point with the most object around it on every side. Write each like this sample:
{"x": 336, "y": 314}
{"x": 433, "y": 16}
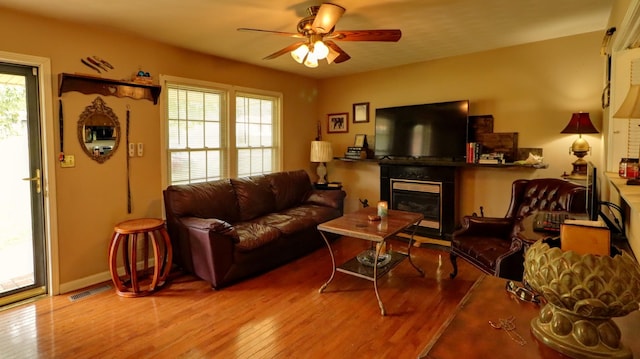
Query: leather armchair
{"x": 492, "y": 244}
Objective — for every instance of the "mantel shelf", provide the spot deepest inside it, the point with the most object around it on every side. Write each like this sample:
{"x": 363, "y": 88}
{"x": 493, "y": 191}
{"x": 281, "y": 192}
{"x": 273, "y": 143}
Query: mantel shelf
{"x": 108, "y": 87}
{"x": 443, "y": 163}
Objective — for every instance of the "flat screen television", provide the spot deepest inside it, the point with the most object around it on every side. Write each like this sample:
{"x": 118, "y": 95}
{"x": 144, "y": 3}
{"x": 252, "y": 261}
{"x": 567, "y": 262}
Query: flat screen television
{"x": 436, "y": 131}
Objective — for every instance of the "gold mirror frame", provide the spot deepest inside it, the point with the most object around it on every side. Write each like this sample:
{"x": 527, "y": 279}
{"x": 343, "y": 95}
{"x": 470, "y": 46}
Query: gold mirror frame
{"x": 99, "y": 131}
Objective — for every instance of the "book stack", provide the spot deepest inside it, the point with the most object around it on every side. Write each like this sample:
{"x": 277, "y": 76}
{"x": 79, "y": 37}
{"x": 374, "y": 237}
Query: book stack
{"x": 474, "y": 149}
{"x": 355, "y": 153}
{"x": 491, "y": 158}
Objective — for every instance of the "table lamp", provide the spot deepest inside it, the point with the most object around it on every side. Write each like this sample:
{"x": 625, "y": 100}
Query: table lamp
{"x": 321, "y": 152}
{"x": 580, "y": 123}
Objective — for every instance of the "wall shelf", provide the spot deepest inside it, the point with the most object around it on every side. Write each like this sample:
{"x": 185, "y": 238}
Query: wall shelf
{"x": 108, "y": 87}
{"x": 442, "y": 163}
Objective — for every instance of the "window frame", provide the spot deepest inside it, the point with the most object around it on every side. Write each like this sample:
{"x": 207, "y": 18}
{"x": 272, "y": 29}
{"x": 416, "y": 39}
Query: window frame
{"x": 228, "y": 114}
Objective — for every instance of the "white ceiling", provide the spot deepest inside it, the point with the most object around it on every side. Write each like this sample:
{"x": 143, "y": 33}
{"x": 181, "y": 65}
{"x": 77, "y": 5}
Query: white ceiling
{"x": 431, "y": 29}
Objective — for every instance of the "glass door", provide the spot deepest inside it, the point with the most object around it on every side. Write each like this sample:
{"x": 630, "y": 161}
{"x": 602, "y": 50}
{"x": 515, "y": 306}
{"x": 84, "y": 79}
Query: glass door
{"x": 22, "y": 244}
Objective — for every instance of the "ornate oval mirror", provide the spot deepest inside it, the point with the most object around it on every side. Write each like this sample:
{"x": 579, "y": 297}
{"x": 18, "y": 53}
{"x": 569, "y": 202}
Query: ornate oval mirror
{"x": 99, "y": 131}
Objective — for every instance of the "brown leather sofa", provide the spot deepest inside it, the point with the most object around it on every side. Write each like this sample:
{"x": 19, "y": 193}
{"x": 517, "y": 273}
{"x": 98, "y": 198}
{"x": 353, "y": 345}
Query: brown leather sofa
{"x": 230, "y": 229}
{"x": 493, "y": 245}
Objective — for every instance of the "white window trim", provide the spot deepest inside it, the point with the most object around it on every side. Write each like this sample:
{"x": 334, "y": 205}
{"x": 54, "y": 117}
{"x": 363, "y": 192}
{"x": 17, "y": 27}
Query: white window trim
{"x": 231, "y": 114}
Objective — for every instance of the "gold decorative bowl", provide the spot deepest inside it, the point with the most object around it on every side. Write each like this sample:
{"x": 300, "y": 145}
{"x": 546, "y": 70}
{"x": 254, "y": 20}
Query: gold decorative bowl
{"x": 583, "y": 293}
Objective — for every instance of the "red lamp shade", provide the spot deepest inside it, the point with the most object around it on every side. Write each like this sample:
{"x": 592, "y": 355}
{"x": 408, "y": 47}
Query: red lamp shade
{"x": 580, "y": 123}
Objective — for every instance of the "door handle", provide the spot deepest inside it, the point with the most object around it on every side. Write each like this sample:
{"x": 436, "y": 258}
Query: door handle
{"x": 37, "y": 179}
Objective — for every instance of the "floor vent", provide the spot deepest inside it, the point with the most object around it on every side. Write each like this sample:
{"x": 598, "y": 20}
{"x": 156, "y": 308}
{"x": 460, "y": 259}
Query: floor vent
{"x": 89, "y": 292}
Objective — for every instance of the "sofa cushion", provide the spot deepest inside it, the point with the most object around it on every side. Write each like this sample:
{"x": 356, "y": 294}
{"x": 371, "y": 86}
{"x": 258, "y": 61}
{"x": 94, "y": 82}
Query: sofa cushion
{"x": 254, "y": 196}
{"x": 216, "y": 199}
{"x": 286, "y": 223}
{"x": 313, "y": 212}
{"x": 254, "y": 235}
{"x": 483, "y": 250}
{"x": 290, "y": 188}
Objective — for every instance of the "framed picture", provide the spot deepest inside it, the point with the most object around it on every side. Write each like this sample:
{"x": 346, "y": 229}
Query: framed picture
{"x": 360, "y": 141}
{"x": 338, "y": 123}
{"x": 361, "y": 112}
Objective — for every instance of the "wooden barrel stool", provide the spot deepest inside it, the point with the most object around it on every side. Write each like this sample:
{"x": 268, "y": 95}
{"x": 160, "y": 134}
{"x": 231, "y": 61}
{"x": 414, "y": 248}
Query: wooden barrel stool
{"x": 135, "y": 282}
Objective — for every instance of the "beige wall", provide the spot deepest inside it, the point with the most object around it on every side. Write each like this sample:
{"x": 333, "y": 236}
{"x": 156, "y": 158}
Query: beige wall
{"x": 92, "y": 197}
{"x": 530, "y": 89}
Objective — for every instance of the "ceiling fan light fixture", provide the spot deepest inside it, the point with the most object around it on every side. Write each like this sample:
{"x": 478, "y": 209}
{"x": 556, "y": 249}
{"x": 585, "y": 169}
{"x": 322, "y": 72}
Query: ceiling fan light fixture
{"x": 320, "y": 50}
{"x": 311, "y": 60}
{"x": 300, "y": 53}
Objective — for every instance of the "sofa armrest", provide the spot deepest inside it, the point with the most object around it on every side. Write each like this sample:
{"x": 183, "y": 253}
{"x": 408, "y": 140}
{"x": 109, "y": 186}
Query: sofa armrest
{"x": 482, "y": 226}
{"x": 329, "y": 198}
{"x": 212, "y": 243}
{"x": 211, "y": 225}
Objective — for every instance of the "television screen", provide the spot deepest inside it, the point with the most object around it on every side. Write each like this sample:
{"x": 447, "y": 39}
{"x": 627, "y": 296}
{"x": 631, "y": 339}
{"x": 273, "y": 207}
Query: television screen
{"x": 431, "y": 131}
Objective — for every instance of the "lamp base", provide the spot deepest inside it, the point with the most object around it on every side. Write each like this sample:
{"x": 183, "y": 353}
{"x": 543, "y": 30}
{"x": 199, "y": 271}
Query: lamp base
{"x": 321, "y": 171}
{"x": 579, "y": 168}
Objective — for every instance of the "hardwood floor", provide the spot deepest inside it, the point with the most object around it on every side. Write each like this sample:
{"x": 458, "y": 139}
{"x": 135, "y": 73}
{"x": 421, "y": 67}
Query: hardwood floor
{"x": 279, "y": 314}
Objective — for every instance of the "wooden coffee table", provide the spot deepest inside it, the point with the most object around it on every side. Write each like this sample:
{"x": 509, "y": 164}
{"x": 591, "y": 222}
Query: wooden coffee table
{"x": 358, "y": 225}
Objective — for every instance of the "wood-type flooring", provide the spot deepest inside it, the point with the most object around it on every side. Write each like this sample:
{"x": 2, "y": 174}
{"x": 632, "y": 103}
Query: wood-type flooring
{"x": 279, "y": 314}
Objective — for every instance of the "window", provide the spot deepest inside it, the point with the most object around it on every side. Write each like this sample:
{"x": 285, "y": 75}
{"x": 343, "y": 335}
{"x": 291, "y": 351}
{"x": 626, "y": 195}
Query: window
{"x": 254, "y": 134}
{"x": 214, "y": 132}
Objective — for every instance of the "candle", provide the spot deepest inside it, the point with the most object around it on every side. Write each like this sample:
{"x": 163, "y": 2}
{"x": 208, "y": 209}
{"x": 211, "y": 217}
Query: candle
{"x": 382, "y": 208}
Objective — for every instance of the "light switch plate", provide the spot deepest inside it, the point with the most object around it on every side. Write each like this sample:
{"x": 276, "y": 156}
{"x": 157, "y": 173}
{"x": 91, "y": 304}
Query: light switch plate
{"x": 132, "y": 149}
{"x": 69, "y": 161}
{"x": 140, "y": 149}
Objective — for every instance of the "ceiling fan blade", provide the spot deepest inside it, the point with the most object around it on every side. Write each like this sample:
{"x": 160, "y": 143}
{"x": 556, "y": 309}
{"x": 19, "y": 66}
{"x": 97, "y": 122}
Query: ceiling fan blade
{"x": 284, "y": 51}
{"x": 326, "y": 18}
{"x": 281, "y": 33}
{"x": 366, "y": 35}
{"x": 336, "y": 53}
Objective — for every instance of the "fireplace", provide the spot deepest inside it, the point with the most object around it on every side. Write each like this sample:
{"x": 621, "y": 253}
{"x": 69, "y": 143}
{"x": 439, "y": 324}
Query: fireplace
{"x": 418, "y": 196}
{"x": 430, "y": 189}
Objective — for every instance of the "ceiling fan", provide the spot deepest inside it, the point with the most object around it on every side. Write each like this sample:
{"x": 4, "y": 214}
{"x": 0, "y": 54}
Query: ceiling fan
{"x": 318, "y": 33}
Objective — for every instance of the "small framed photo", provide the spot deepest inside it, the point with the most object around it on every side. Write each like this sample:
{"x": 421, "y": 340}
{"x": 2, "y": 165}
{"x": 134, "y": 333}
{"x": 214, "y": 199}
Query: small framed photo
{"x": 338, "y": 123}
{"x": 361, "y": 112}
{"x": 360, "y": 140}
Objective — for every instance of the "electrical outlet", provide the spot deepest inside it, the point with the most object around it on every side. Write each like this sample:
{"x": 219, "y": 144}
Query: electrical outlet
{"x": 132, "y": 149}
{"x": 68, "y": 162}
{"x": 140, "y": 149}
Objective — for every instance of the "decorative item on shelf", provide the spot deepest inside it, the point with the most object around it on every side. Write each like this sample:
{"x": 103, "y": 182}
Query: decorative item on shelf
{"x": 629, "y": 168}
{"x": 491, "y": 158}
{"x": 583, "y": 292}
{"x": 143, "y": 77}
{"x": 359, "y": 150}
{"x": 579, "y": 124}
{"x": 531, "y": 160}
{"x": 321, "y": 152}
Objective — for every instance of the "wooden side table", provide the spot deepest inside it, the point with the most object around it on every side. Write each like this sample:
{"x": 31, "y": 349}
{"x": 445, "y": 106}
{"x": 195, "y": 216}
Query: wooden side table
{"x": 125, "y": 239}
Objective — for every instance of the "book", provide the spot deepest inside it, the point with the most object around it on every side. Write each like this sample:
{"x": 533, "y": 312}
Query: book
{"x": 474, "y": 150}
{"x": 489, "y": 161}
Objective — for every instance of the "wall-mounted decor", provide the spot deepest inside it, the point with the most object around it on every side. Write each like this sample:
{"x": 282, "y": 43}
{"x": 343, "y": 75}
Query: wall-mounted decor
{"x": 338, "y": 123}
{"x": 360, "y": 112}
{"x": 98, "y": 131}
